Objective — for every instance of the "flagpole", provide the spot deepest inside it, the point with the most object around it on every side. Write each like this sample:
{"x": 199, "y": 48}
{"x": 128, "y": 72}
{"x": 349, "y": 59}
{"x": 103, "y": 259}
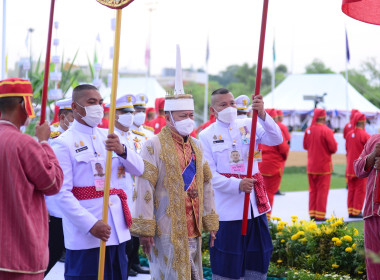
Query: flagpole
{"x": 347, "y": 60}
{"x": 254, "y": 114}
{"x": 47, "y": 65}
{"x": 205, "y": 105}
{"x": 274, "y": 72}
{"x": 3, "y": 38}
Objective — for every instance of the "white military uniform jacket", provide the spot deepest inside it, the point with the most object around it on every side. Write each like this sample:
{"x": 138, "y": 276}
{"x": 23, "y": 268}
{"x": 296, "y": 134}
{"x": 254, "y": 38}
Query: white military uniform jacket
{"x": 146, "y": 130}
{"x": 134, "y": 142}
{"x": 51, "y": 204}
{"x": 218, "y": 142}
{"x": 76, "y": 150}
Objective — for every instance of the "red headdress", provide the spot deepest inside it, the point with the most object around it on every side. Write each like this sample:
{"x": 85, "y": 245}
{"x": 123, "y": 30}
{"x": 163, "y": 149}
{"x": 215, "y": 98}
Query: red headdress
{"x": 14, "y": 87}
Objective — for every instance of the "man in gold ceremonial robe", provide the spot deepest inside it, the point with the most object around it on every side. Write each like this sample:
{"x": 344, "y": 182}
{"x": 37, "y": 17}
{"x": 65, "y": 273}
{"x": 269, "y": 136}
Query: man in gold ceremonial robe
{"x": 174, "y": 200}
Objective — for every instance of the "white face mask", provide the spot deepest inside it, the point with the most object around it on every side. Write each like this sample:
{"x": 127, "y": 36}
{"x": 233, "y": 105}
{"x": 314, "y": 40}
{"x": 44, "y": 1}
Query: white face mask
{"x": 184, "y": 127}
{"x": 227, "y": 115}
{"x": 126, "y": 120}
{"x": 139, "y": 118}
{"x": 94, "y": 114}
{"x": 242, "y": 116}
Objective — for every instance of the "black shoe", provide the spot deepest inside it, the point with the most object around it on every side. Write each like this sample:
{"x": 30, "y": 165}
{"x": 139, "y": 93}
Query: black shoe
{"x": 359, "y": 216}
{"x": 312, "y": 218}
{"x": 62, "y": 259}
{"x": 279, "y": 193}
{"x": 140, "y": 269}
{"x": 320, "y": 220}
{"x": 132, "y": 273}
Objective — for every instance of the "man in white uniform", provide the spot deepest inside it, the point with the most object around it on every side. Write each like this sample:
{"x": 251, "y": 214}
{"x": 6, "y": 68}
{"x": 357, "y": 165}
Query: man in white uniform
{"x": 123, "y": 122}
{"x": 139, "y": 116}
{"x": 56, "y": 243}
{"x": 247, "y": 256}
{"x": 79, "y": 150}
{"x": 242, "y": 106}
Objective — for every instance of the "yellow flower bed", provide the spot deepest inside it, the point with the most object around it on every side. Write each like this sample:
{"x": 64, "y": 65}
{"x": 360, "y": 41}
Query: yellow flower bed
{"x": 325, "y": 247}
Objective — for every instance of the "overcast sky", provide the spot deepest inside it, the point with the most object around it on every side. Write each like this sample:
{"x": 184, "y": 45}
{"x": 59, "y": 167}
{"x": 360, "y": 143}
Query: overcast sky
{"x": 303, "y": 30}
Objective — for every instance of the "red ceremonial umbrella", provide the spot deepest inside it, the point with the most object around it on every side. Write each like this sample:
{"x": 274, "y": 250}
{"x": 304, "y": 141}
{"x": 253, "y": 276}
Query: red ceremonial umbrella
{"x": 364, "y": 10}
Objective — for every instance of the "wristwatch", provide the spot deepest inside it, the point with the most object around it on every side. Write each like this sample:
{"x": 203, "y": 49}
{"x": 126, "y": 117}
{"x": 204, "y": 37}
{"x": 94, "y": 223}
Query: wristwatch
{"x": 124, "y": 154}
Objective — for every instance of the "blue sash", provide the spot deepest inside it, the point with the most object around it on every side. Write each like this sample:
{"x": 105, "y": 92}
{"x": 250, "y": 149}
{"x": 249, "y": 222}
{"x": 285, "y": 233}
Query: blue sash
{"x": 188, "y": 174}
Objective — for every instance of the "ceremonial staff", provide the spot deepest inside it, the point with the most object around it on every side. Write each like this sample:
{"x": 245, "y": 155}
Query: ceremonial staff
{"x": 47, "y": 65}
{"x": 118, "y": 5}
{"x": 254, "y": 114}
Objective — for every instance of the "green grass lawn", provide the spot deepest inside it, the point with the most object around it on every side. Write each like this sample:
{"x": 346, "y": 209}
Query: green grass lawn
{"x": 358, "y": 225}
{"x": 295, "y": 178}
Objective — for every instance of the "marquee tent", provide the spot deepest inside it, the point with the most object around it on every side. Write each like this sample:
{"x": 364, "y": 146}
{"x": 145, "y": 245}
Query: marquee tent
{"x": 289, "y": 96}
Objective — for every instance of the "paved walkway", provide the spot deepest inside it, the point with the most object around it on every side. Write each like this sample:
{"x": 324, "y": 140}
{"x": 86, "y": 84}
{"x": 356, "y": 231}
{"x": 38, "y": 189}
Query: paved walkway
{"x": 285, "y": 206}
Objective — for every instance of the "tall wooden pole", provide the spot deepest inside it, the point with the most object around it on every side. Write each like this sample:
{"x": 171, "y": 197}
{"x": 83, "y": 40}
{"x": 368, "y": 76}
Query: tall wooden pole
{"x": 115, "y": 71}
{"x": 47, "y": 65}
{"x": 254, "y": 114}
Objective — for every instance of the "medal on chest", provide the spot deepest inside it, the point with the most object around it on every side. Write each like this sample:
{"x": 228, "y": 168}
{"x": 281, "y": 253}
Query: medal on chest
{"x": 137, "y": 144}
{"x": 245, "y": 135}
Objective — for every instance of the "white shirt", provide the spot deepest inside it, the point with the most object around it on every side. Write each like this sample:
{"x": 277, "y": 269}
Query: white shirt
{"x": 217, "y": 141}
{"x": 51, "y": 204}
{"x": 75, "y": 150}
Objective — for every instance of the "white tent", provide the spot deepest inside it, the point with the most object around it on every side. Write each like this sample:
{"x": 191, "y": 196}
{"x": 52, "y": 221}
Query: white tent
{"x": 135, "y": 85}
{"x": 289, "y": 97}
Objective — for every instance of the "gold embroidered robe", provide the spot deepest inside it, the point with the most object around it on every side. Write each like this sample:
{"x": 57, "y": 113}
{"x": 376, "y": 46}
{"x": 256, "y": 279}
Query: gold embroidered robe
{"x": 160, "y": 208}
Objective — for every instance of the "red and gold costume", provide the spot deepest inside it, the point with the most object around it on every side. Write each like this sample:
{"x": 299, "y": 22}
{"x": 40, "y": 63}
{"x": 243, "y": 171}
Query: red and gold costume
{"x": 29, "y": 170}
{"x": 320, "y": 144}
{"x": 159, "y": 122}
{"x": 355, "y": 141}
{"x": 273, "y": 162}
{"x": 284, "y": 128}
{"x": 206, "y": 124}
{"x": 349, "y": 125}
{"x": 148, "y": 123}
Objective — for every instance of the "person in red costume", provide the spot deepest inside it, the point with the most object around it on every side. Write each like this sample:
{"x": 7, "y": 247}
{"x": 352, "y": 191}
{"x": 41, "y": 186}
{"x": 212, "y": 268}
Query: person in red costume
{"x": 285, "y": 135}
{"x": 105, "y": 121}
{"x": 355, "y": 141}
{"x": 349, "y": 125}
{"x": 149, "y": 116}
{"x": 320, "y": 144}
{"x": 283, "y": 127}
{"x": 206, "y": 124}
{"x": 273, "y": 161}
{"x": 159, "y": 122}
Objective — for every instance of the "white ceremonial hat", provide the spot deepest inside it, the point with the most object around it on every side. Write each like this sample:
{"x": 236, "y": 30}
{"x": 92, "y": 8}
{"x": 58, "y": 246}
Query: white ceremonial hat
{"x": 242, "y": 103}
{"x": 64, "y": 104}
{"x": 141, "y": 100}
{"x": 125, "y": 102}
{"x": 179, "y": 101}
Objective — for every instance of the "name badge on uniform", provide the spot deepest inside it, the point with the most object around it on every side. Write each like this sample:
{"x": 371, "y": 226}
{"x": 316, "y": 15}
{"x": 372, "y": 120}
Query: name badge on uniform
{"x": 99, "y": 170}
{"x": 245, "y": 136}
{"x": 236, "y": 162}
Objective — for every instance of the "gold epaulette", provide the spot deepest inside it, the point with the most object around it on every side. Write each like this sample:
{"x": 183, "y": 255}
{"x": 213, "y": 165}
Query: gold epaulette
{"x": 56, "y": 124}
{"x": 138, "y": 132}
{"x": 148, "y": 128}
{"x": 54, "y": 134}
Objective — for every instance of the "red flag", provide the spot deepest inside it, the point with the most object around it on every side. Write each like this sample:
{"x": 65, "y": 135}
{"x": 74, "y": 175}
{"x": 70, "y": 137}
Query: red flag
{"x": 364, "y": 10}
